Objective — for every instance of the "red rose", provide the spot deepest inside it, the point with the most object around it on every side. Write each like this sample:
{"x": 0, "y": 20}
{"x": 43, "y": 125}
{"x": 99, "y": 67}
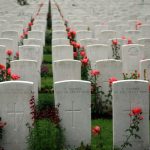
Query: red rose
{"x": 2, "y": 124}
{"x": 75, "y": 54}
{"x": 2, "y": 67}
{"x": 32, "y": 20}
{"x": 69, "y": 35}
{"x": 9, "y": 71}
{"x": 82, "y": 53}
{"x": 17, "y": 54}
{"x": 77, "y": 45}
{"x": 130, "y": 114}
{"x": 136, "y": 111}
{"x": 130, "y": 41}
{"x": 15, "y": 77}
{"x": 30, "y": 24}
{"x": 123, "y": 37}
{"x": 138, "y": 24}
{"x": 9, "y": 52}
{"x": 21, "y": 36}
{"x": 73, "y": 33}
{"x": 67, "y": 29}
{"x": 73, "y": 43}
{"x": 95, "y": 72}
{"x": 25, "y": 29}
{"x": 111, "y": 80}
{"x": 96, "y": 130}
{"x": 26, "y": 33}
{"x": 85, "y": 61}
{"x": 141, "y": 117}
{"x": 115, "y": 42}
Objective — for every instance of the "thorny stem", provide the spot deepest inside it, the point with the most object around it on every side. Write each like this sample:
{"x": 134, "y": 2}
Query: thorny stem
{"x": 133, "y": 127}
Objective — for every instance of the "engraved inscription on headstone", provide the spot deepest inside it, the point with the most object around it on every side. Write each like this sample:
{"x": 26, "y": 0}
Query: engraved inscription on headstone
{"x": 133, "y": 51}
{"x": 74, "y": 100}
{"x": 127, "y": 95}
{"x": 16, "y": 115}
{"x": 72, "y": 110}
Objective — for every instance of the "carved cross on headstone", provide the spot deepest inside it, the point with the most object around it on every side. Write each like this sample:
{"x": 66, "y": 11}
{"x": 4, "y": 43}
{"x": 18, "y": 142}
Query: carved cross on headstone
{"x": 129, "y": 110}
{"x": 13, "y": 112}
{"x": 73, "y": 110}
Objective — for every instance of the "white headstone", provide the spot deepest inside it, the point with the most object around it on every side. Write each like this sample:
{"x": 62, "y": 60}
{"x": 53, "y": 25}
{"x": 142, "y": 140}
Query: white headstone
{"x": 145, "y": 31}
{"x": 97, "y": 52}
{"x": 74, "y": 100}
{"x": 120, "y": 29}
{"x": 127, "y": 95}
{"x": 145, "y": 69}
{"x": 112, "y": 24}
{"x": 38, "y": 27}
{"x": 8, "y": 43}
{"x": 21, "y": 22}
{"x": 133, "y": 35}
{"x": 146, "y": 43}
{"x": 3, "y": 55}
{"x": 33, "y": 41}
{"x": 41, "y": 22}
{"x": 28, "y": 71}
{"x": 4, "y": 23}
{"x": 88, "y": 41}
{"x": 62, "y": 52}
{"x": 57, "y": 23}
{"x": 98, "y": 29}
{"x": 15, "y": 110}
{"x": 132, "y": 24}
{"x": 105, "y": 35}
{"x": 108, "y": 68}
{"x": 32, "y": 52}
{"x": 12, "y": 35}
{"x": 17, "y": 27}
{"x": 66, "y": 70}
{"x": 80, "y": 27}
{"x": 59, "y": 27}
{"x": 59, "y": 34}
{"x": 37, "y": 35}
{"x": 83, "y": 34}
{"x": 76, "y": 22}
{"x": 60, "y": 41}
{"x": 131, "y": 56}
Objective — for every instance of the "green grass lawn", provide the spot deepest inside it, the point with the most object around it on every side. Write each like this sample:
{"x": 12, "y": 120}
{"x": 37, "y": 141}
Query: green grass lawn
{"x": 105, "y": 137}
{"x": 47, "y": 82}
{"x": 47, "y": 59}
{"x": 47, "y": 49}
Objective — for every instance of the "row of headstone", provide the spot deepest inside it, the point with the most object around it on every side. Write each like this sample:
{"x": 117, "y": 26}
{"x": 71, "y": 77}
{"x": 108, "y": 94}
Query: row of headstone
{"x": 94, "y": 51}
{"x": 71, "y": 93}
{"x": 128, "y": 94}
{"x": 131, "y": 54}
{"x": 16, "y": 95}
